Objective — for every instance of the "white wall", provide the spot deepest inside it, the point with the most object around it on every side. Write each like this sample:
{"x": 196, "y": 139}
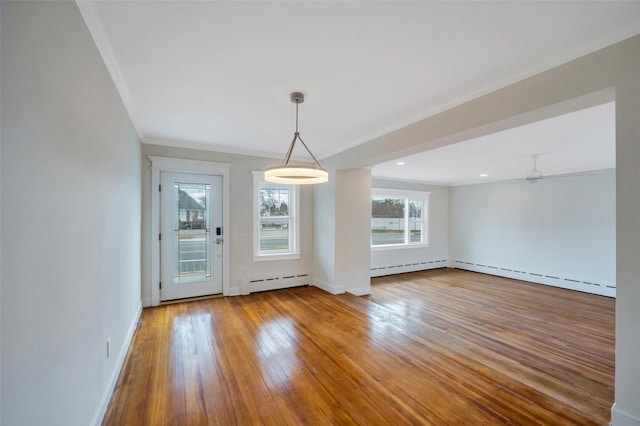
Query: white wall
{"x": 626, "y": 410}
{"x": 586, "y": 81}
{"x": 559, "y": 232}
{"x": 324, "y": 235}
{"x": 342, "y": 217}
{"x": 240, "y": 237}
{"x": 0, "y": 223}
{"x": 70, "y": 219}
{"x": 385, "y": 262}
{"x": 353, "y": 201}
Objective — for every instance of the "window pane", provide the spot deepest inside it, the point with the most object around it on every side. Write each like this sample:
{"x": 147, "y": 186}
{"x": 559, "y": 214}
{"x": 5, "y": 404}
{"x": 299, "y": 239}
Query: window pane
{"x": 415, "y": 221}
{"x": 191, "y": 205}
{"x": 192, "y": 233}
{"x": 274, "y": 202}
{"x": 274, "y": 236}
{"x": 275, "y": 220}
{"x": 387, "y": 221}
{"x": 192, "y": 254}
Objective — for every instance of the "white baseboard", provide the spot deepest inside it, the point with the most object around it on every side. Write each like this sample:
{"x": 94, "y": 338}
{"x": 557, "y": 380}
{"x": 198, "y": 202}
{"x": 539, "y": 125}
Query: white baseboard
{"x": 146, "y": 302}
{"x": 619, "y": 418}
{"x": 382, "y": 270}
{"x": 602, "y": 289}
{"x": 329, "y": 288}
{"x": 361, "y": 291}
{"x": 275, "y": 283}
{"x": 237, "y": 290}
{"x": 106, "y": 398}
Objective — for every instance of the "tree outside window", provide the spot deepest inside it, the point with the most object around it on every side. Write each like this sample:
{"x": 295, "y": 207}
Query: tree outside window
{"x": 275, "y": 232}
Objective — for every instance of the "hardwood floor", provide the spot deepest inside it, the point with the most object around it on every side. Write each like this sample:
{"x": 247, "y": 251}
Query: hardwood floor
{"x": 441, "y": 347}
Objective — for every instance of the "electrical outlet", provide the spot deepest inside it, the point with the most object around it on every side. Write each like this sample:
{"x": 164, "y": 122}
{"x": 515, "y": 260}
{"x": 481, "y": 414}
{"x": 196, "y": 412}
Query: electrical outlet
{"x": 108, "y": 347}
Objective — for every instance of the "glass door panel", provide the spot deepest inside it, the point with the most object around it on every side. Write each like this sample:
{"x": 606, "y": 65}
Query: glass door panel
{"x": 192, "y": 228}
{"x": 191, "y": 257}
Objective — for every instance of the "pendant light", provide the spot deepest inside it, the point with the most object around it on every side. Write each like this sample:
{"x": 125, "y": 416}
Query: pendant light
{"x": 296, "y": 174}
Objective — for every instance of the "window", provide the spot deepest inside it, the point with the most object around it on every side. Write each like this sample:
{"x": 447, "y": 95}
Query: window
{"x": 275, "y": 220}
{"x": 398, "y": 218}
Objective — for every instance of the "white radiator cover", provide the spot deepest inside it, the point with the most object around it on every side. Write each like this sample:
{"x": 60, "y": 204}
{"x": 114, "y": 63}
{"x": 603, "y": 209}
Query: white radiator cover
{"x": 571, "y": 283}
{"x": 279, "y": 282}
{"x": 401, "y": 268}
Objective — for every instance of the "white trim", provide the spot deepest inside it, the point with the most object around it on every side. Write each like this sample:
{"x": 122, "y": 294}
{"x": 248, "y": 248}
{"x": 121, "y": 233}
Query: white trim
{"x": 398, "y": 246}
{"x": 106, "y": 397}
{"x": 92, "y": 19}
{"x": 400, "y": 192}
{"x": 401, "y": 268}
{"x": 408, "y": 195}
{"x": 329, "y": 288}
{"x": 620, "y": 418}
{"x": 165, "y": 164}
{"x": 275, "y": 256}
{"x": 263, "y": 284}
{"x": 292, "y": 220}
{"x": 188, "y": 166}
{"x": 538, "y": 277}
{"x": 416, "y": 181}
{"x": 364, "y": 291}
{"x": 204, "y": 146}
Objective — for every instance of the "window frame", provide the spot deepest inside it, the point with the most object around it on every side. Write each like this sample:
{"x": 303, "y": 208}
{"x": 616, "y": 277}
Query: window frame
{"x": 408, "y": 196}
{"x": 293, "y": 221}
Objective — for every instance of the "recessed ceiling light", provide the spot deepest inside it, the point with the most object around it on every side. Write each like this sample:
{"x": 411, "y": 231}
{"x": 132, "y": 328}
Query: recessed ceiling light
{"x": 484, "y": 175}
{"x": 400, "y": 163}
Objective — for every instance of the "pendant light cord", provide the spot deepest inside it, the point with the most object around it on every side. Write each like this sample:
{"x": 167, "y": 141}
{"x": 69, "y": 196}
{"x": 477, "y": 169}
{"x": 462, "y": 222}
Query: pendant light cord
{"x": 296, "y": 135}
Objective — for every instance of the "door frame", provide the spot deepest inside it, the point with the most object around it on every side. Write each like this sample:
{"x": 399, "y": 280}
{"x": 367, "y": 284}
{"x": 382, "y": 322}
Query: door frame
{"x": 174, "y": 284}
{"x": 175, "y": 165}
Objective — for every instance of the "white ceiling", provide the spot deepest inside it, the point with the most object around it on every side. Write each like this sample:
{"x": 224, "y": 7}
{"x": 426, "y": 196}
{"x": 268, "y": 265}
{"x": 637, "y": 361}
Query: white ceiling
{"x": 217, "y": 75}
{"x": 576, "y": 142}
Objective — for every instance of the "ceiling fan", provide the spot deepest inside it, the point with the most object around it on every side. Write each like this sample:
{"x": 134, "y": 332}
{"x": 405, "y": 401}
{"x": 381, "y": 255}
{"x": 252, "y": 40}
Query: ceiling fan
{"x": 534, "y": 175}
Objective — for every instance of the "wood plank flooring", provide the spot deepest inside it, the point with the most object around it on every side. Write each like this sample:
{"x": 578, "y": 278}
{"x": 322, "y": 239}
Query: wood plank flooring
{"x": 439, "y": 347}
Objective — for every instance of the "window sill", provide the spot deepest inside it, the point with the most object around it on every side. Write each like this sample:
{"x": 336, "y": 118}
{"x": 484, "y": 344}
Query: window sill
{"x": 398, "y": 247}
{"x": 275, "y": 256}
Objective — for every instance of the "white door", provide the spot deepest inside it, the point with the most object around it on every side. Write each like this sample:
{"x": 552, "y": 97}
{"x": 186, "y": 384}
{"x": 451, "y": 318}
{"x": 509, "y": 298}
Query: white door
{"x": 190, "y": 235}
